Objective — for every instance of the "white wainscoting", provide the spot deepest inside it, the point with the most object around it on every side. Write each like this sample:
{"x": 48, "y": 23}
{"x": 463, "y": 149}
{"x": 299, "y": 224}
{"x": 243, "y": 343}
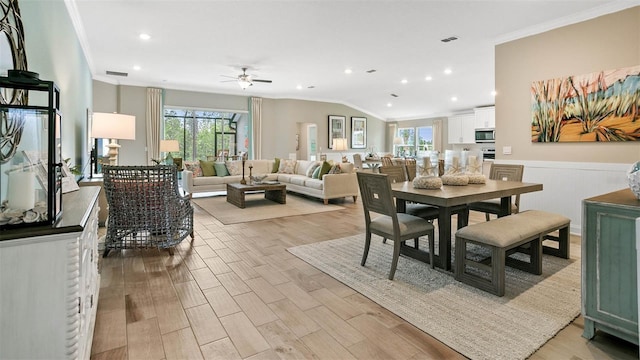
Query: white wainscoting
{"x": 566, "y": 184}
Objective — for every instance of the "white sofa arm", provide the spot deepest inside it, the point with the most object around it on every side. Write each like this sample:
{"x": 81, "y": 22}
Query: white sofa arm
{"x": 187, "y": 181}
{"x": 340, "y": 185}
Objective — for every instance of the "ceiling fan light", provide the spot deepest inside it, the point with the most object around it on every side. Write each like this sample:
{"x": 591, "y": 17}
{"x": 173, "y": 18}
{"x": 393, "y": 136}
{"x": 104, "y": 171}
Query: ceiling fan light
{"x": 244, "y": 83}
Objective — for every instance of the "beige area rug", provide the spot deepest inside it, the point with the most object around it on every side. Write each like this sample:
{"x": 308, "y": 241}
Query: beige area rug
{"x": 259, "y": 208}
{"x": 474, "y": 323}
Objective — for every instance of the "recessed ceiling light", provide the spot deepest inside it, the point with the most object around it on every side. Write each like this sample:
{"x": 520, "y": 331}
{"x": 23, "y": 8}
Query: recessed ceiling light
{"x": 448, "y": 71}
{"x": 453, "y": 98}
{"x": 136, "y": 67}
{"x": 389, "y": 104}
{"x": 404, "y": 81}
{"x": 348, "y": 71}
{"x": 144, "y": 36}
{"x": 428, "y": 78}
{"x": 299, "y": 87}
{"x": 494, "y": 93}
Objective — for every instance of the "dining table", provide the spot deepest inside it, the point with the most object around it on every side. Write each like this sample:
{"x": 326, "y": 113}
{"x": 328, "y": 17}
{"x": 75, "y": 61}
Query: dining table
{"x": 450, "y": 199}
{"x": 373, "y": 163}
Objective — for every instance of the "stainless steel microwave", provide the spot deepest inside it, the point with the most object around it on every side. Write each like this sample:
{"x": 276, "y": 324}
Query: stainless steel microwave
{"x": 485, "y": 135}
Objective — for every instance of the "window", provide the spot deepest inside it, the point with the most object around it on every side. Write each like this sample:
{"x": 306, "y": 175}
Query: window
{"x": 415, "y": 141}
{"x": 203, "y": 133}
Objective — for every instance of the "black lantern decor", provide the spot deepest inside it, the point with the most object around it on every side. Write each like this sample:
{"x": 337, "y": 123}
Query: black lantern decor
{"x": 30, "y": 151}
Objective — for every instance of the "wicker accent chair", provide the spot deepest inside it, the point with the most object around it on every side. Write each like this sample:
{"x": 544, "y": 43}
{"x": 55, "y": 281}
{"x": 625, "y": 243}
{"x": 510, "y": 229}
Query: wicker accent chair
{"x": 500, "y": 172}
{"x": 146, "y": 209}
{"x": 377, "y": 197}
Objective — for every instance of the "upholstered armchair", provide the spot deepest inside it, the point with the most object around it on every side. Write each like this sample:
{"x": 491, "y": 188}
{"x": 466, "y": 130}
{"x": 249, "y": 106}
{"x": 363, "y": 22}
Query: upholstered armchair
{"x": 146, "y": 209}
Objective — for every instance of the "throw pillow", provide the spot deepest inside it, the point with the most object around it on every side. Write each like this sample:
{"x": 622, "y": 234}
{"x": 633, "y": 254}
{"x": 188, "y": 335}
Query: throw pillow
{"x": 335, "y": 169}
{"x": 194, "y": 167}
{"x": 287, "y": 166}
{"x": 276, "y": 165}
{"x": 221, "y": 169}
{"x": 324, "y": 169}
{"x": 207, "y": 168}
{"x": 316, "y": 172}
{"x": 234, "y": 167}
{"x": 312, "y": 169}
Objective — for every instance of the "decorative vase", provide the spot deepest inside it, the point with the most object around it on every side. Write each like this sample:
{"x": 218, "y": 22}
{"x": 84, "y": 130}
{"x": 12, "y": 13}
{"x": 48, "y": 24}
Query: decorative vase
{"x": 634, "y": 179}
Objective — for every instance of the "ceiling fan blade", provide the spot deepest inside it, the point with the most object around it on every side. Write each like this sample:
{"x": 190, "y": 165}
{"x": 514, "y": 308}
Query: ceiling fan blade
{"x": 229, "y": 81}
{"x": 262, "y": 81}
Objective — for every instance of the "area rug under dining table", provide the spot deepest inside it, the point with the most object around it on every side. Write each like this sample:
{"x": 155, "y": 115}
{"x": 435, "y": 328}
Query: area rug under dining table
{"x": 477, "y": 324}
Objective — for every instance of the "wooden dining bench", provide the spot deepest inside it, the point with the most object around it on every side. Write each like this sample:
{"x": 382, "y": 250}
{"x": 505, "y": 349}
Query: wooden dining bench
{"x": 523, "y": 232}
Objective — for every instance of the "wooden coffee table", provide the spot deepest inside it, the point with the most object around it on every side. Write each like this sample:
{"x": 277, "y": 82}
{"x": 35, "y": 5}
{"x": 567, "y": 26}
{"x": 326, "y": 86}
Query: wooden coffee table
{"x": 274, "y": 192}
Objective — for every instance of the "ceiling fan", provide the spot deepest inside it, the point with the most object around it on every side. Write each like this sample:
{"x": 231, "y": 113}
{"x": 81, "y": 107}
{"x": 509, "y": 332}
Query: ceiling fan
{"x": 245, "y": 80}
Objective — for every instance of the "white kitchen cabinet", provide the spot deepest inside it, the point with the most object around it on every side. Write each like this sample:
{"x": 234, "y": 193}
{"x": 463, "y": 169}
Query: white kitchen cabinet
{"x": 462, "y": 129}
{"x": 49, "y": 284}
{"x": 485, "y": 117}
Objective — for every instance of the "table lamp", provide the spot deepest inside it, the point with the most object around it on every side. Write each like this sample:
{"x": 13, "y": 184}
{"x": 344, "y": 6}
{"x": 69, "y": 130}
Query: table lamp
{"x": 115, "y": 127}
{"x": 168, "y": 146}
{"x": 340, "y": 144}
{"x": 397, "y": 142}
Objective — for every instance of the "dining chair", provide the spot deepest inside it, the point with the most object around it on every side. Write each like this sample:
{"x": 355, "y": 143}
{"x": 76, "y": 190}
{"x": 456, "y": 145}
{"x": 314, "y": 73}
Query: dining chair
{"x": 410, "y": 166}
{"x": 358, "y": 164}
{"x": 395, "y": 172}
{"x": 508, "y": 172}
{"x": 386, "y": 161}
{"x": 377, "y": 197}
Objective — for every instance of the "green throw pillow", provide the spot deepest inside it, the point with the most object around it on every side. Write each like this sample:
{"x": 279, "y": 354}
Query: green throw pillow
{"x": 207, "y": 168}
{"x": 276, "y": 165}
{"x": 324, "y": 169}
{"x": 221, "y": 169}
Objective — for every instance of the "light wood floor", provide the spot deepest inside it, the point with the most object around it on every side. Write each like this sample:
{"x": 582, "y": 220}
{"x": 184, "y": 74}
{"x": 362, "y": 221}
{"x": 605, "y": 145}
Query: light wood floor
{"x": 236, "y": 293}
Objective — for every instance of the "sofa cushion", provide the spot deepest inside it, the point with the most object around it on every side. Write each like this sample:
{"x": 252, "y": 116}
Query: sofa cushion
{"x": 302, "y": 166}
{"x": 221, "y": 169}
{"x": 287, "y": 166}
{"x": 314, "y": 184}
{"x": 285, "y": 178}
{"x": 298, "y": 180}
{"x": 335, "y": 169}
{"x": 234, "y": 167}
{"x": 347, "y": 167}
{"x": 316, "y": 172}
{"x": 194, "y": 167}
{"x": 207, "y": 168}
{"x": 276, "y": 165}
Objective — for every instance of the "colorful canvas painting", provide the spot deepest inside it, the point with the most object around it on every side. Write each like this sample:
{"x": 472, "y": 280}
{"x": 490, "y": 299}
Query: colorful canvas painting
{"x": 602, "y": 106}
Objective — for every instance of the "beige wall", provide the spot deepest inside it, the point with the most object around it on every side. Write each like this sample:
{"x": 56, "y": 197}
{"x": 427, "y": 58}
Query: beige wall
{"x": 607, "y": 42}
{"x": 280, "y": 118}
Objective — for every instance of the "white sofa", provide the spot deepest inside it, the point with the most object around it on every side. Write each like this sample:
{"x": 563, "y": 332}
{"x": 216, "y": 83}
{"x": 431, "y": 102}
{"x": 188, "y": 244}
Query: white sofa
{"x": 331, "y": 186}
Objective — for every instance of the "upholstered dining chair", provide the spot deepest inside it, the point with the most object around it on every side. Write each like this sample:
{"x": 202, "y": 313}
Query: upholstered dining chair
{"x": 377, "y": 197}
{"x": 358, "y": 164}
{"x": 509, "y": 172}
{"x": 146, "y": 209}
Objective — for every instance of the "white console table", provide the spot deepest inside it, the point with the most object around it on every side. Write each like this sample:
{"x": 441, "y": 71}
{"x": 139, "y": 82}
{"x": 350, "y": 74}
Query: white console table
{"x": 49, "y": 284}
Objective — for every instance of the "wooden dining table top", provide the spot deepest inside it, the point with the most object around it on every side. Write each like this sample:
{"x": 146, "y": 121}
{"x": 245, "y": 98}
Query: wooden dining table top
{"x": 452, "y": 195}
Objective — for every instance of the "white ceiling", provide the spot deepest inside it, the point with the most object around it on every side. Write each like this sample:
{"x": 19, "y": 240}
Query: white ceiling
{"x": 312, "y": 42}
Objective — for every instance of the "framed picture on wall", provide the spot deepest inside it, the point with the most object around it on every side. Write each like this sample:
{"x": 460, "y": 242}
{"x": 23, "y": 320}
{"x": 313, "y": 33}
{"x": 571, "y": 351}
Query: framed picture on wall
{"x": 358, "y": 132}
{"x": 336, "y": 128}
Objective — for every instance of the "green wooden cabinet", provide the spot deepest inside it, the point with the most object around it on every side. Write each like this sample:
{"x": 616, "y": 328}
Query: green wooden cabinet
{"x": 609, "y": 262}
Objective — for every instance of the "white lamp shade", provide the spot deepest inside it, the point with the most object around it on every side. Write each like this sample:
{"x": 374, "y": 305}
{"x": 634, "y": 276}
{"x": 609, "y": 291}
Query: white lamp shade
{"x": 340, "y": 144}
{"x": 169, "y": 145}
{"x": 113, "y": 126}
{"x": 398, "y": 141}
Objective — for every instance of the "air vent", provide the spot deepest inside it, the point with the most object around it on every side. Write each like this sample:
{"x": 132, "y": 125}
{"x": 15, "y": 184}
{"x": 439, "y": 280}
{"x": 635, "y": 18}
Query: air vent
{"x": 311, "y": 87}
{"x": 394, "y": 95}
{"x": 371, "y": 71}
{"x": 117, "y": 73}
{"x": 451, "y": 38}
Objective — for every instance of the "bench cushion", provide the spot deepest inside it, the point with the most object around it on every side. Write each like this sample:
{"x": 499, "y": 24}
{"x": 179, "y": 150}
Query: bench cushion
{"x": 511, "y": 229}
